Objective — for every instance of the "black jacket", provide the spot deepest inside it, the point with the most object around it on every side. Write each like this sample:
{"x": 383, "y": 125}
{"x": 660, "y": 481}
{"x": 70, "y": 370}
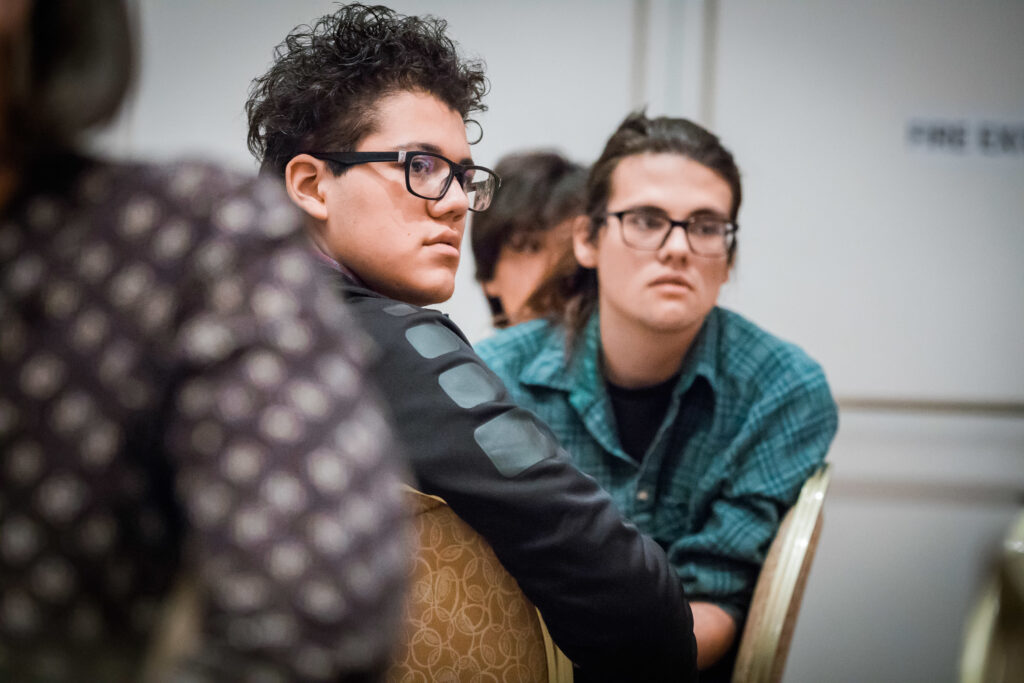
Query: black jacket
{"x": 607, "y": 593}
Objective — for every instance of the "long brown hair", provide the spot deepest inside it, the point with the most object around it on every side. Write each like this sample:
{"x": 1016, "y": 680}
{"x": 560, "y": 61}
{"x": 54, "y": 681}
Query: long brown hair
{"x": 68, "y": 71}
{"x": 571, "y": 292}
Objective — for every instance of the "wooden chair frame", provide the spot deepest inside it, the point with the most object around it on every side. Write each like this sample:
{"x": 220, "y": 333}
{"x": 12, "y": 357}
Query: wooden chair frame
{"x": 774, "y": 607}
{"x": 994, "y": 641}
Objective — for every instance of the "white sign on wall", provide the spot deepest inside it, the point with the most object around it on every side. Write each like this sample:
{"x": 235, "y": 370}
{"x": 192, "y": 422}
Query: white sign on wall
{"x": 979, "y": 137}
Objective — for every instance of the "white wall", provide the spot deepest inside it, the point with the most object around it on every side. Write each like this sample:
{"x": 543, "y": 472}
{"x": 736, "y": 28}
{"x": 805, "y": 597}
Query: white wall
{"x": 911, "y": 257}
{"x": 897, "y": 267}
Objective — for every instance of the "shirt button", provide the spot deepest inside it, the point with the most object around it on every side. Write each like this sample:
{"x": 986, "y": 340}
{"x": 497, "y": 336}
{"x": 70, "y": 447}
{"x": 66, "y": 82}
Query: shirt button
{"x": 642, "y": 495}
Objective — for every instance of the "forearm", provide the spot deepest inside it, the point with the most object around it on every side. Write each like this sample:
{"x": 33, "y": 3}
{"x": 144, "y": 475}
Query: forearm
{"x": 714, "y": 630}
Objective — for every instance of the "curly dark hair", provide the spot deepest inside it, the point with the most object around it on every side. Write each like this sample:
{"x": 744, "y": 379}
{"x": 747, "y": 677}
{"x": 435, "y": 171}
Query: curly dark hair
{"x": 66, "y": 73}
{"x": 326, "y": 79}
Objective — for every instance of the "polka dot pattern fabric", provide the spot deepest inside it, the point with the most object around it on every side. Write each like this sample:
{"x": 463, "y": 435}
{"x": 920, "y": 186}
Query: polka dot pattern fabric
{"x": 179, "y": 395}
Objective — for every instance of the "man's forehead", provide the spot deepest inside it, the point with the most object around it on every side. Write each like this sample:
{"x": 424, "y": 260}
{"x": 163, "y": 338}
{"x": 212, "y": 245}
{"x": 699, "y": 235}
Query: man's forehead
{"x": 418, "y": 120}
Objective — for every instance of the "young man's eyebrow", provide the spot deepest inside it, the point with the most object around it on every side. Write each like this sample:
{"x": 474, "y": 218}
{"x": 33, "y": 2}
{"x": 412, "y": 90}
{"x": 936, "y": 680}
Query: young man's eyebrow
{"x": 703, "y": 212}
{"x": 648, "y": 208}
{"x": 433, "y": 149}
{"x": 708, "y": 213}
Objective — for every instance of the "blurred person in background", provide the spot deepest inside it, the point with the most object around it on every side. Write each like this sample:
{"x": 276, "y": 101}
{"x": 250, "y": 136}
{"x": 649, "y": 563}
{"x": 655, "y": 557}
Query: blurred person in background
{"x": 362, "y": 116}
{"x": 526, "y": 234}
{"x": 701, "y": 425}
{"x": 179, "y": 397}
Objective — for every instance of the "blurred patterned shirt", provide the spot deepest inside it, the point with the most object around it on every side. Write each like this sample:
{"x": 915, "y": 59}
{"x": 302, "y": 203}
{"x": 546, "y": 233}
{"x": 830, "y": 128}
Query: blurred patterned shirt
{"x": 750, "y": 418}
{"x": 180, "y": 396}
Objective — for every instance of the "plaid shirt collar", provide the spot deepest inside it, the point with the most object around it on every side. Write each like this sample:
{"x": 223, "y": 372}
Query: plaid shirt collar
{"x": 578, "y": 376}
{"x": 581, "y": 377}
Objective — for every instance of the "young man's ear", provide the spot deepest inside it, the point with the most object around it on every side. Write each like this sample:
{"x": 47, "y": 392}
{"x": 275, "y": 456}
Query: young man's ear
{"x": 303, "y": 177}
{"x": 583, "y": 247}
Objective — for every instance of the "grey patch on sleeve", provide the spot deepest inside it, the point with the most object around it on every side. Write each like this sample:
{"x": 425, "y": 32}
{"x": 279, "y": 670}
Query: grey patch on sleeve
{"x": 469, "y": 385}
{"x": 399, "y": 310}
{"x": 514, "y": 442}
{"x": 432, "y": 339}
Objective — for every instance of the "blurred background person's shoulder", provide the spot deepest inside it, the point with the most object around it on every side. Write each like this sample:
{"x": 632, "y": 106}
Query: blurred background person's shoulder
{"x": 182, "y": 404}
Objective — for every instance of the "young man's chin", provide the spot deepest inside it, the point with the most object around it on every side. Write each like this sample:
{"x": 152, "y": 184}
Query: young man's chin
{"x": 669, "y": 317}
{"x": 425, "y": 295}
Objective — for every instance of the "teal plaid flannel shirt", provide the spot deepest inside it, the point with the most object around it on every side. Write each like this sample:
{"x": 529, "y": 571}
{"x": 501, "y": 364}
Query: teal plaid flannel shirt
{"x": 750, "y": 418}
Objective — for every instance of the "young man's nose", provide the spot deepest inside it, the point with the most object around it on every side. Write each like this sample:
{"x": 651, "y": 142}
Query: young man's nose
{"x": 675, "y": 243}
{"x": 455, "y": 200}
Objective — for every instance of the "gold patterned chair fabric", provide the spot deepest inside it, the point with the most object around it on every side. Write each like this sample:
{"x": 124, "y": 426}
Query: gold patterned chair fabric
{"x": 467, "y": 619}
{"x": 774, "y": 607}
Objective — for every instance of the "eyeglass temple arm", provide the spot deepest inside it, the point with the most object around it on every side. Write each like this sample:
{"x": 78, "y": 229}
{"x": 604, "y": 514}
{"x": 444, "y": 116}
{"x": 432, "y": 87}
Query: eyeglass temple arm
{"x": 360, "y": 157}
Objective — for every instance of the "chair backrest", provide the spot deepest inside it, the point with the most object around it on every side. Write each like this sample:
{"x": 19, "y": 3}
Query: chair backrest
{"x": 467, "y": 619}
{"x": 774, "y": 607}
{"x": 994, "y": 644}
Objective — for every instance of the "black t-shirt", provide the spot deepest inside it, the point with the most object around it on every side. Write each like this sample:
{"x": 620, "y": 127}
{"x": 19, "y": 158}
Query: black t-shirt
{"x": 639, "y": 413}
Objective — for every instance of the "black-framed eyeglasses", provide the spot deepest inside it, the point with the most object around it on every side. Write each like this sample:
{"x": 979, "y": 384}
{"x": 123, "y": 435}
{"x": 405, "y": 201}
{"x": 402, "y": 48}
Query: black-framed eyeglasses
{"x": 429, "y": 175}
{"x": 649, "y": 230}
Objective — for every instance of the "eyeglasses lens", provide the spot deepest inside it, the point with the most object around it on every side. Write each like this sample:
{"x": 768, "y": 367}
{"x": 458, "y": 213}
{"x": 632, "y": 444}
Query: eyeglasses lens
{"x": 480, "y": 189}
{"x": 706, "y": 237}
{"x": 429, "y": 177}
{"x": 709, "y": 238}
{"x": 643, "y": 230}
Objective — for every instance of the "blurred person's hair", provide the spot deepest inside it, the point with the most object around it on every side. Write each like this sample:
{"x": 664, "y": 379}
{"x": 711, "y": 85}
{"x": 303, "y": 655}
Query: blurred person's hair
{"x": 571, "y": 294}
{"x": 539, "y": 190}
{"x": 69, "y": 71}
{"x": 322, "y": 90}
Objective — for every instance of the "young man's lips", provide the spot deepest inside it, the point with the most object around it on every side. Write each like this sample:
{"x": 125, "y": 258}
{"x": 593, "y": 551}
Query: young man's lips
{"x": 446, "y": 244}
{"x": 672, "y": 280}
